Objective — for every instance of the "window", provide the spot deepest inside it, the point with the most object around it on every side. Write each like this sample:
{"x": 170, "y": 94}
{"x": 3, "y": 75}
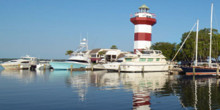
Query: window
{"x": 150, "y": 59}
{"x": 119, "y": 61}
{"x": 26, "y": 58}
{"x": 148, "y": 52}
{"x": 93, "y": 55}
{"x": 142, "y": 59}
{"x": 113, "y": 56}
{"x": 158, "y": 52}
{"x": 128, "y": 59}
{"x": 158, "y": 59}
{"x": 25, "y": 62}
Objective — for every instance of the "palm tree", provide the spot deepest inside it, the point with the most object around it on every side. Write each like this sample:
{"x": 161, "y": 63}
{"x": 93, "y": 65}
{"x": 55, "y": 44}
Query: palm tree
{"x": 69, "y": 52}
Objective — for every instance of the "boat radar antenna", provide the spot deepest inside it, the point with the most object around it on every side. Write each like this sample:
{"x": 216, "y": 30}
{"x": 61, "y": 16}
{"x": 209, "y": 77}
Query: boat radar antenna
{"x": 83, "y": 46}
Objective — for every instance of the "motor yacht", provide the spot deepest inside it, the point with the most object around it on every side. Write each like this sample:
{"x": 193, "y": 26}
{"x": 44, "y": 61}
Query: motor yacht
{"x": 26, "y": 62}
{"x": 78, "y": 59}
{"x": 145, "y": 61}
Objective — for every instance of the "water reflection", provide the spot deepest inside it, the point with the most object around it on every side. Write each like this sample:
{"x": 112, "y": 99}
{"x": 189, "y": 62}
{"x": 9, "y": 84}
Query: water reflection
{"x": 22, "y": 75}
{"x": 79, "y": 80}
{"x": 25, "y": 76}
{"x": 140, "y": 84}
{"x": 104, "y": 80}
{"x": 202, "y": 93}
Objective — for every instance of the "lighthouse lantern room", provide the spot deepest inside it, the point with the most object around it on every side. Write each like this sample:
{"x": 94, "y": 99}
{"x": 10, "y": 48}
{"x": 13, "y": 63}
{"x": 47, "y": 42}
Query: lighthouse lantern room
{"x": 143, "y": 22}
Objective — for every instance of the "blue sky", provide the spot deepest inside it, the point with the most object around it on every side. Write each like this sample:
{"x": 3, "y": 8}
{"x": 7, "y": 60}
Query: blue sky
{"x": 47, "y": 28}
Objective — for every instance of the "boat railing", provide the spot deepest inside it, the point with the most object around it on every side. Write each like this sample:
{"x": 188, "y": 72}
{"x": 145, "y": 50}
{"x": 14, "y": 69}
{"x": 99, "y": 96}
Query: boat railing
{"x": 147, "y": 14}
{"x": 152, "y": 52}
{"x": 206, "y": 64}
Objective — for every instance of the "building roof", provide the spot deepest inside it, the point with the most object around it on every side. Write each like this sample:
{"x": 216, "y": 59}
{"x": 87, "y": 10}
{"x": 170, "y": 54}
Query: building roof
{"x": 94, "y": 51}
{"x": 144, "y": 7}
{"x": 121, "y": 55}
{"x": 113, "y": 52}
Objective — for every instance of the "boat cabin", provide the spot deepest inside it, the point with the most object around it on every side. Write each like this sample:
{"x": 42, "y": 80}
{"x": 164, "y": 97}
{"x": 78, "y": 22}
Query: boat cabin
{"x": 146, "y": 56}
{"x": 31, "y": 60}
{"x": 105, "y": 55}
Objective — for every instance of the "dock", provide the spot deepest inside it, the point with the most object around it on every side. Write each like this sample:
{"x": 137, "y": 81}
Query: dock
{"x": 80, "y": 69}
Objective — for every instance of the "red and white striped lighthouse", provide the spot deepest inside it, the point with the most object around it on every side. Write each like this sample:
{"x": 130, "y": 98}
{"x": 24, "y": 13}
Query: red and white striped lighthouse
{"x": 143, "y": 22}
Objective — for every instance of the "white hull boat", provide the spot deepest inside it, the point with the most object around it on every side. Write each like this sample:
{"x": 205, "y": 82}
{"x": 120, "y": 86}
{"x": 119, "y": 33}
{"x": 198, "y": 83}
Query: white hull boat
{"x": 78, "y": 59}
{"x": 148, "y": 61}
{"x": 43, "y": 65}
{"x": 24, "y": 63}
{"x": 131, "y": 67}
{"x": 15, "y": 66}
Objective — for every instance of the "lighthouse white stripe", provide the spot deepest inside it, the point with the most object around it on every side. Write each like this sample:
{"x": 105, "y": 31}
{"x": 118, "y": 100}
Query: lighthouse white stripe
{"x": 142, "y": 28}
{"x": 142, "y": 44}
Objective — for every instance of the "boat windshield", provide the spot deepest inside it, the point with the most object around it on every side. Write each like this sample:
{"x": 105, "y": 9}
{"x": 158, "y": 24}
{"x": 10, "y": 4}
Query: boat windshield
{"x": 148, "y": 52}
{"x": 13, "y": 61}
{"x": 119, "y": 61}
{"x": 26, "y": 58}
{"x": 152, "y": 52}
{"x": 158, "y": 52}
{"x": 25, "y": 62}
{"x": 78, "y": 54}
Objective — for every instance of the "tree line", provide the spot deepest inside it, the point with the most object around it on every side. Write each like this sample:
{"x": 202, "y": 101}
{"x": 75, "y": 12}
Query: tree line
{"x": 187, "y": 53}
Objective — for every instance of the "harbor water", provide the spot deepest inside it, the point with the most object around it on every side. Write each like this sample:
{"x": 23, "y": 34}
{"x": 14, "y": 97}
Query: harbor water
{"x": 99, "y": 90}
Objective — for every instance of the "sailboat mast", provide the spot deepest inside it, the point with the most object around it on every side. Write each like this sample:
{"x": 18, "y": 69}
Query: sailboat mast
{"x": 210, "y": 49}
{"x": 197, "y": 34}
{"x": 87, "y": 42}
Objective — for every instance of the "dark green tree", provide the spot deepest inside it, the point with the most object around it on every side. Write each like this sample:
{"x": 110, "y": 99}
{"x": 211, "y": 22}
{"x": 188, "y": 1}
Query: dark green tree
{"x": 188, "y": 50}
{"x": 168, "y": 49}
{"x": 114, "y": 47}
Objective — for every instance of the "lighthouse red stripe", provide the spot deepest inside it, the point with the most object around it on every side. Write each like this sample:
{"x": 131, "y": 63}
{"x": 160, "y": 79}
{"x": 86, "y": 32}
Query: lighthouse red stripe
{"x": 142, "y": 36}
{"x": 143, "y": 20}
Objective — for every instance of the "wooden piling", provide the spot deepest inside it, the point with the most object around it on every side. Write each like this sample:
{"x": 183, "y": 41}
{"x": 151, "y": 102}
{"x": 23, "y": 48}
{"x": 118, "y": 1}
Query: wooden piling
{"x": 194, "y": 71}
{"x": 143, "y": 69}
{"x": 217, "y": 72}
{"x": 142, "y": 74}
{"x": 92, "y": 67}
{"x": 169, "y": 70}
{"x": 119, "y": 68}
{"x": 71, "y": 68}
{"x": 44, "y": 67}
{"x": 19, "y": 66}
